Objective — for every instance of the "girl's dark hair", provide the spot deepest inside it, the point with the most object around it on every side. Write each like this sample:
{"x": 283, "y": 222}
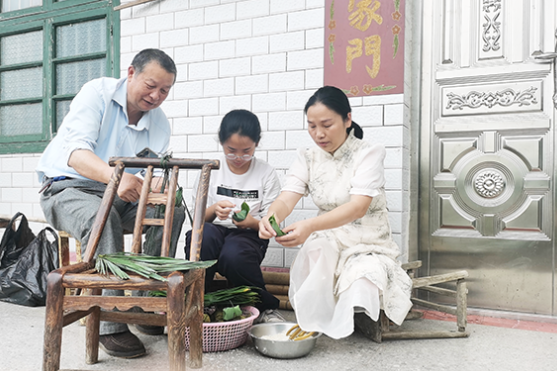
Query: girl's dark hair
{"x": 241, "y": 122}
{"x": 335, "y": 99}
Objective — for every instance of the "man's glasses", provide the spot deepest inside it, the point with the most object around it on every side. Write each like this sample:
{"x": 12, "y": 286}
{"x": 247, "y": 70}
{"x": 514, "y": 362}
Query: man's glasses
{"x": 232, "y": 157}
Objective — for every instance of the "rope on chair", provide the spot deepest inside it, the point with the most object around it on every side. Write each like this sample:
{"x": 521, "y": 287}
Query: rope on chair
{"x": 179, "y": 199}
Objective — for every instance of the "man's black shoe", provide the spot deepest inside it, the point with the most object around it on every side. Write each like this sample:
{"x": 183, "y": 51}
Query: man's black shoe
{"x": 122, "y": 345}
{"x": 150, "y": 330}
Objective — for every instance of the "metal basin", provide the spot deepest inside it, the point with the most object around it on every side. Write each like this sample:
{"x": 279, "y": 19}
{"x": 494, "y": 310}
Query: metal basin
{"x": 280, "y": 348}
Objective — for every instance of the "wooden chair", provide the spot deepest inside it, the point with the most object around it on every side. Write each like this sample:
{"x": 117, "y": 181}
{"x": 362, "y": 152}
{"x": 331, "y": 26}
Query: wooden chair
{"x": 62, "y": 309}
{"x": 382, "y": 330}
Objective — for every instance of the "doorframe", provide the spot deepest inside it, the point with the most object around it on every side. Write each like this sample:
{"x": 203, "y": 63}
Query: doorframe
{"x": 422, "y": 66}
{"x": 413, "y": 93}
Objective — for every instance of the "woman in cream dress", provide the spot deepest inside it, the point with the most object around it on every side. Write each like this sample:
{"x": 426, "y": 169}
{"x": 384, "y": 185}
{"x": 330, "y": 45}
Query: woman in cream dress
{"x": 347, "y": 263}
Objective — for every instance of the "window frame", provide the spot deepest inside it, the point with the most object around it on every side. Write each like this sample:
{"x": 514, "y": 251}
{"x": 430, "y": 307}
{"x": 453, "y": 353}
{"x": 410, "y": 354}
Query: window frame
{"x": 46, "y": 18}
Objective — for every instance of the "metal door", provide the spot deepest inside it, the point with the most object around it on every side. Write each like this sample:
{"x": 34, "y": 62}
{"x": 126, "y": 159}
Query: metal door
{"x": 487, "y": 149}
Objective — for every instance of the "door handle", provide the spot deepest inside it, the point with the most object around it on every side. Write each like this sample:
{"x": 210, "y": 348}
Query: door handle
{"x": 549, "y": 58}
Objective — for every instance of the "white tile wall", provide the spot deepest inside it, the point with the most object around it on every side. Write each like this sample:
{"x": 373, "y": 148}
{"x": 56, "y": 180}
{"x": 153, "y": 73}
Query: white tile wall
{"x": 252, "y": 9}
{"x": 5, "y": 180}
{"x": 203, "y": 107}
{"x": 220, "y": 50}
{"x": 262, "y": 55}
{"x": 160, "y": 22}
{"x": 236, "y": 30}
{"x": 269, "y": 102}
{"x": 252, "y": 84}
{"x": 286, "y": 6}
{"x": 269, "y": 63}
{"x": 235, "y": 67}
{"x": 235, "y": 102}
{"x": 284, "y": 42}
{"x": 286, "y": 120}
{"x": 252, "y": 46}
{"x": 220, "y": 14}
{"x": 272, "y": 25}
{"x": 306, "y": 19}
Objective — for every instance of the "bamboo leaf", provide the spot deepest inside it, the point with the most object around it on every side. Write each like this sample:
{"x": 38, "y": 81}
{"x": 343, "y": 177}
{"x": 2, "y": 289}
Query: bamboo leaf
{"x": 241, "y": 215}
{"x": 144, "y": 265}
{"x": 275, "y": 226}
{"x": 241, "y": 295}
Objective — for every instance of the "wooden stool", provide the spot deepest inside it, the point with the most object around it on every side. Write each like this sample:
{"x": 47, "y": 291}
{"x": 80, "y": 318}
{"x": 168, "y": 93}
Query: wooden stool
{"x": 381, "y": 330}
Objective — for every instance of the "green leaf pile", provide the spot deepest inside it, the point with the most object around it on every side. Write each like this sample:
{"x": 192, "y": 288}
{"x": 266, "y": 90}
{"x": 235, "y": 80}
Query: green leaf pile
{"x": 241, "y": 215}
{"x": 144, "y": 265}
{"x": 241, "y": 295}
{"x": 275, "y": 226}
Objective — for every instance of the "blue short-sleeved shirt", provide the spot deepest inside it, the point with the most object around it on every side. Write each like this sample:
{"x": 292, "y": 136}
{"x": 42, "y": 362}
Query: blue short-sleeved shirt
{"x": 98, "y": 121}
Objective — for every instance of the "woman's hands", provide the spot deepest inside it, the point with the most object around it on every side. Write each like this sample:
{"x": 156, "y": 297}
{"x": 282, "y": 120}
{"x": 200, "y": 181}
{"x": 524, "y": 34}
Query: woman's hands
{"x": 266, "y": 232}
{"x": 296, "y": 233}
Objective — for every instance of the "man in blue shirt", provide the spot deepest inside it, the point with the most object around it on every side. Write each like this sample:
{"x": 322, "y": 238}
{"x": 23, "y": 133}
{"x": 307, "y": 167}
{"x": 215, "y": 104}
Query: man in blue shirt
{"x": 110, "y": 117}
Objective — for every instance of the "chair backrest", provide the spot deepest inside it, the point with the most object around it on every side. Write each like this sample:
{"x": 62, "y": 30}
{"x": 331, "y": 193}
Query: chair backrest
{"x": 149, "y": 198}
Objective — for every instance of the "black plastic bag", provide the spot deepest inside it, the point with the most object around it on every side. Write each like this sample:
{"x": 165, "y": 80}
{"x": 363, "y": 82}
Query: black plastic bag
{"x": 25, "y": 262}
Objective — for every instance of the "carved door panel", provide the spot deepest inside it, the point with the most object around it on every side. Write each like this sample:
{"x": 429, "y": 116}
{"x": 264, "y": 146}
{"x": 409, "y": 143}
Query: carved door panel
{"x": 487, "y": 149}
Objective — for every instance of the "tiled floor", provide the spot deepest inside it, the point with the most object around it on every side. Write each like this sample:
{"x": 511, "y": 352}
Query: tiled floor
{"x": 497, "y": 347}
{"x": 498, "y": 322}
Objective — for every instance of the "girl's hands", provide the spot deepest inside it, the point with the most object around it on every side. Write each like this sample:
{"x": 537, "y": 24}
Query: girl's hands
{"x": 248, "y": 222}
{"x": 296, "y": 233}
{"x": 223, "y": 209}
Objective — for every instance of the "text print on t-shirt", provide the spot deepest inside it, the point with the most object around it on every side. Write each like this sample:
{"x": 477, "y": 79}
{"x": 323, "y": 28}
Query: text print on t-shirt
{"x": 236, "y": 193}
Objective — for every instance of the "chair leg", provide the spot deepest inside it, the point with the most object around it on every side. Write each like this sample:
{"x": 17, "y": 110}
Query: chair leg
{"x": 385, "y": 323}
{"x": 368, "y": 327}
{"x": 194, "y": 312}
{"x": 92, "y": 334}
{"x": 461, "y": 304}
{"x": 176, "y": 321}
{"x": 54, "y": 317}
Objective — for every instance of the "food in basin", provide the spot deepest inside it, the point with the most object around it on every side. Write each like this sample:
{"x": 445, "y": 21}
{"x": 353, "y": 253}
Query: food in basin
{"x": 271, "y": 340}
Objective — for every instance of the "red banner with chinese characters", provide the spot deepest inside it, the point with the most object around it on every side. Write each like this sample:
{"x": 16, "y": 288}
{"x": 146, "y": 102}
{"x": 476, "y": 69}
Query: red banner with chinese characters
{"x": 364, "y": 46}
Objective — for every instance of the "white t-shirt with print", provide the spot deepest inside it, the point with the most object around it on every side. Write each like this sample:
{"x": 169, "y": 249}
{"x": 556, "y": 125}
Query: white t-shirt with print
{"x": 258, "y": 187}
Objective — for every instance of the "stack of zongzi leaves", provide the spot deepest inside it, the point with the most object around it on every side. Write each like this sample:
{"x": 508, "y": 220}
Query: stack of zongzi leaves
{"x": 144, "y": 265}
{"x": 224, "y": 305}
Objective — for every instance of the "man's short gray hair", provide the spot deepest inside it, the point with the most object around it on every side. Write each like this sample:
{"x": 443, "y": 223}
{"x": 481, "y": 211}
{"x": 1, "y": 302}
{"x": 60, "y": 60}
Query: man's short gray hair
{"x": 147, "y": 56}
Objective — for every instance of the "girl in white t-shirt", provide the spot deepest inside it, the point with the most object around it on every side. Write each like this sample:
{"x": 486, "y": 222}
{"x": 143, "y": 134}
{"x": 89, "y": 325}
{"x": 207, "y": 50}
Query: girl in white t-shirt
{"x": 241, "y": 178}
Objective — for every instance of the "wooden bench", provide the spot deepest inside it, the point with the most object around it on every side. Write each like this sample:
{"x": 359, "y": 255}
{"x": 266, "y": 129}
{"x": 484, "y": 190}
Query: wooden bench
{"x": 429, "y": 284}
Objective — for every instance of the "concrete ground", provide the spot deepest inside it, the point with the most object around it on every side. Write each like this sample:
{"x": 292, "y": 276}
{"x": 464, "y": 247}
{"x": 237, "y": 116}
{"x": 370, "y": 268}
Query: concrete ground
{"x": 487, "y": 348}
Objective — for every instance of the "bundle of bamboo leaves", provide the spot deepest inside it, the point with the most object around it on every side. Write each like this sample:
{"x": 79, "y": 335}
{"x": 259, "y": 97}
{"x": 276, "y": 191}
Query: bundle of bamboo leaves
{"x": 241, "y": 295}
{"x": 144, "y": 265}
{"x": 224, "y": 305}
